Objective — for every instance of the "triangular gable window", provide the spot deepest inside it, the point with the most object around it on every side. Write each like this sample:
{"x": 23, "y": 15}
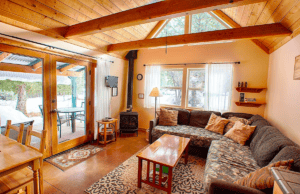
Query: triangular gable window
{"x": 173, "y": 28}
{"x": 203, "y": 22}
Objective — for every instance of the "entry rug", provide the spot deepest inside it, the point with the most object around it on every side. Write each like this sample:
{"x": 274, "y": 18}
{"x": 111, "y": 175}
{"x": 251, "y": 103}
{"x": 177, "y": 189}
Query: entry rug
{"x": 187, "y": 178}
{"x": 74, "y": 156}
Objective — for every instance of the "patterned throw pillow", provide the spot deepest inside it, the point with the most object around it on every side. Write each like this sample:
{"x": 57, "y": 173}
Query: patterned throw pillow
{"x": 240, "y": 132}
{"x": 232, "y": 121}
{"x": 168, "y": 117}
{"x": 263, "y": 178}
{"x": 216, "y": 124}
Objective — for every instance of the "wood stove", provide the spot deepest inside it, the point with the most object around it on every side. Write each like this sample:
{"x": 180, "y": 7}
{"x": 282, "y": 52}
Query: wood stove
{"x": 129, "y": 121}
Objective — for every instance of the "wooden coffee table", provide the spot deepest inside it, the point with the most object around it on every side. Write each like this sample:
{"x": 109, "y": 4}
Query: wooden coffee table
{"x": 166, "y": 151}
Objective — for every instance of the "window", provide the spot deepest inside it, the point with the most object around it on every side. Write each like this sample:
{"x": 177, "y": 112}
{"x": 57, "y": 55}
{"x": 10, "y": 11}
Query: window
{"x": 203, "y": 22}
{"x": 196, "y": 88}
{"x": 171, "y": 86}
{"x": 173, "y": 28}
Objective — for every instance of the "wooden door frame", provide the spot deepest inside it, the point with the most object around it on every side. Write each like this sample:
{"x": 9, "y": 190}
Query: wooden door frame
{"x": 47, "y": 75}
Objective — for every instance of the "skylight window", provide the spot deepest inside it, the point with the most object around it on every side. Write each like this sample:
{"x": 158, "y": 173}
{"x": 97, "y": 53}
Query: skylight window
{"x": 173, "y": 28}
{"x": 203, "y": 22}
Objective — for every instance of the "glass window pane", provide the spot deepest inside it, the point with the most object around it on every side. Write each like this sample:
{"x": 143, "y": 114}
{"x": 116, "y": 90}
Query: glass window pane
{"x": 171, "y": 97}
{"x": 197, "y": 79}
{"x": 173, "y": 28}
{"x": 196, "y": 98}
{"x": 171, "y": 78}
{"x": 203, "y": 22}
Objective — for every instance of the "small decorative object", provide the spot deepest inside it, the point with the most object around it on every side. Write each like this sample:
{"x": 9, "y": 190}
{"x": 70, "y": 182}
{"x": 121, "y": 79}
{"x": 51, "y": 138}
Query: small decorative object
{"x": 141, "y": 96}
{"x": 242, "y": 97}
{"x": 246, "y": 84}
{"x": 111, "y": 81}
{"x": 297, "y": 68}
{"x": 250, "y": 99}
{"x": 246, "y": 100}
{"x": 114, "y": 92}
{"x": 107, "y": 119}
{"x": 239, "y": 84}
{"x": 139, "y": 77}
{"x": 242, "y": 85}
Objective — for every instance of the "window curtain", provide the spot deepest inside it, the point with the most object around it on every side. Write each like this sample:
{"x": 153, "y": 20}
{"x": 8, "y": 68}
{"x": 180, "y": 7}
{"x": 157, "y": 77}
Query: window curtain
{"x": 102, "y": 93}
{"x": 218, "y": 87}
{"x": 152, "y": 80}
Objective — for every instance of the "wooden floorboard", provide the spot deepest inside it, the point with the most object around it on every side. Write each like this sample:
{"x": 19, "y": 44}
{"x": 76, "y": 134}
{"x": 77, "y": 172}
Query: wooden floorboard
{"x": 80, "y": 177}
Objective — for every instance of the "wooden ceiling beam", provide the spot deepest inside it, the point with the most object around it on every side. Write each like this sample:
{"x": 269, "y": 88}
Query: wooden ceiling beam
{"x": 37, "y": 65}
{"x": 28, "y": 69}
{"x": 4, "y": 55}
{"x": 252, "y": 32}
{"x": 220, "y": 14}
{"x": 70, "y": 66}
{"x": 149, "y": 13}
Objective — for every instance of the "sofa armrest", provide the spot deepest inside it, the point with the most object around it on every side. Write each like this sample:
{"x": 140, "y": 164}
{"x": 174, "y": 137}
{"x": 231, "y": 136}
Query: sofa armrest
{"x": 218, "y": 186}
{"x": 153, "y": 123}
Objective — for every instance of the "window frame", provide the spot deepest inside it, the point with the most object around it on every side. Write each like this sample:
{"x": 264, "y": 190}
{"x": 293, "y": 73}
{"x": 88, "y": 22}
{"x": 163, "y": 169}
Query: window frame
{"x": 174, "y": 88}
{"x": 188, "y": 88}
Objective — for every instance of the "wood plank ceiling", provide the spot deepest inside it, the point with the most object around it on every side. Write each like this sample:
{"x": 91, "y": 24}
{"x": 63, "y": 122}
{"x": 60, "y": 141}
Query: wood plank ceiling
{"x": 287, "y": 12}
{"x": 50, "y": 17}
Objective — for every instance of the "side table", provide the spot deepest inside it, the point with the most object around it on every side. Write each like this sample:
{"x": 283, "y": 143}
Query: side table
{"x": 286, "y": 181}
{"x": 114, "y": 123}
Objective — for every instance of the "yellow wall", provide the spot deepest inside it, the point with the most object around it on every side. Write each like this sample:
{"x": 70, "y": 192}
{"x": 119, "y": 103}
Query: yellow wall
{"x": 283, "y": 96}
{"x": 118, "y": 104}
{"x": 253, "y": 69}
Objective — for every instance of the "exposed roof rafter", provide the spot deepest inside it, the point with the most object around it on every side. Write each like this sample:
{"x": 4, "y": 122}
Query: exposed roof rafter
{"x": 149, "y": 13}
{"x": 252, "y": 32}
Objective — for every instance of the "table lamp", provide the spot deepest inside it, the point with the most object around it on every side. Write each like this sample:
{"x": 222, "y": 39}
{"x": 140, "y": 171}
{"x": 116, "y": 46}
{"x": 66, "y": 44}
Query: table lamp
{"x": 155, "y": 93}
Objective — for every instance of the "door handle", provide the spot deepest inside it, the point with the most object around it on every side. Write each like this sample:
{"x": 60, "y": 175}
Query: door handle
{"x": 54, "y": 111}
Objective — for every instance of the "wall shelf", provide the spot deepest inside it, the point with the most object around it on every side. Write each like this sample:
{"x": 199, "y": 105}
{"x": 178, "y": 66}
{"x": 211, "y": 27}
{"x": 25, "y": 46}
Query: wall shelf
{"x": 250, "y": 104}
{"x": 250, "y": 90}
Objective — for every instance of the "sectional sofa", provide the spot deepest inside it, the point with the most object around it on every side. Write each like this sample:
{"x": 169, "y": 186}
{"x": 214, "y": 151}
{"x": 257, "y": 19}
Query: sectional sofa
{"x": 228, "y": 161}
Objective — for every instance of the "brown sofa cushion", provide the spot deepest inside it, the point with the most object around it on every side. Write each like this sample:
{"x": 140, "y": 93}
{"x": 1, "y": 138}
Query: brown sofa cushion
{"x": 216, "y": 124}
{"x": 240, "y": 132}
{"x": 260, "y": 123}
{"x": 287, "y": 153}
{"x": 232, "y": 121}
{"x": 263, "y": 178}
{"x": 226, "y": 115}
{"x": 201, "y": 118}
{"x": 168, "y": 117}
{"x": 269, "y": 145}
{"x": 183, "y": 116}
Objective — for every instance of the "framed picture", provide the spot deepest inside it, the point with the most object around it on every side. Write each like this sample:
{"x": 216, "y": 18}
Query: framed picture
{"x": 242, "y": 97}
{"x": 141, "y": 96}
{"x": 297, "y": 68}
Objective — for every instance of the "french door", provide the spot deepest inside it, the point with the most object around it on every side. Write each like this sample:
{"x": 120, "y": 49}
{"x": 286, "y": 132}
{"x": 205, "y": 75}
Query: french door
{"x": 71, "y": 103}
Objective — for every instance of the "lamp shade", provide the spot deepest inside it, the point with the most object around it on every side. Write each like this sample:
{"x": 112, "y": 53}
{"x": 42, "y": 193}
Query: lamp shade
{"x": 155, "y": 92}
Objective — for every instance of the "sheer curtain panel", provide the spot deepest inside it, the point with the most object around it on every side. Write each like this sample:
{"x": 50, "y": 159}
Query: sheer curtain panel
{"x": 103, "y": 93}
{"x": 218, "y": 87}
{"x": 152, "y": 80}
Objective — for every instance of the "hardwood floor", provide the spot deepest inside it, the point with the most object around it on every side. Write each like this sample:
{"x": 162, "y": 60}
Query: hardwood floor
{"x": 80, "y": 177}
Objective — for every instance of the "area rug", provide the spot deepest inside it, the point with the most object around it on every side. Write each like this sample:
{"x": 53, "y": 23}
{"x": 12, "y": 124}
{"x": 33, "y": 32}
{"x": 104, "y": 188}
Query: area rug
{"x": 187, "y": 178}
{"x": 71, "y": 157}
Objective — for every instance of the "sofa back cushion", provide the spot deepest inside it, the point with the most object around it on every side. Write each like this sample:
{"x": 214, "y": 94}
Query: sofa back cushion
{"x": 183, "y": 116}
{"x": 201, "y": 118}
{"x": 260, "y": 123}
{"x": 287, "y": 153}
{"x": 226, "y": 115}
{"x": 269, "y": 145}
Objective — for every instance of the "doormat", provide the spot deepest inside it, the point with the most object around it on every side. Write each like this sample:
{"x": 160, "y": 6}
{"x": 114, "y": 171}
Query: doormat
{"x": 74, "y": 156}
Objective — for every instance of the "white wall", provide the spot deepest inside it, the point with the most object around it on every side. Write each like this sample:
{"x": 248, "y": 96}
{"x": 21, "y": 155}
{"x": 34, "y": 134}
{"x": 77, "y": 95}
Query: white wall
{"x": 283, "y": 95}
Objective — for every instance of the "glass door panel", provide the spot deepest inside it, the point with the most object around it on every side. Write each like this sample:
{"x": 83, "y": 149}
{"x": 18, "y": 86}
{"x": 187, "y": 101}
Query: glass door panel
{"x": 71, "y": 101}
{"x": 21, "y": 93}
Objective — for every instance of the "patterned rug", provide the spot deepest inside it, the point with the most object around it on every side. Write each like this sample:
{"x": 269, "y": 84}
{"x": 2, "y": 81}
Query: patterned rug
{"x": 123, "y": 179}
{"x": 71, "y": 157}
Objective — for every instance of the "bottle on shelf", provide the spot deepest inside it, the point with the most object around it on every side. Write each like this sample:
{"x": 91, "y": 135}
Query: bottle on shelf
{"x": 242, "y": 85}
{"x": 239, "y": 84}
{"x": 246, "y": 84}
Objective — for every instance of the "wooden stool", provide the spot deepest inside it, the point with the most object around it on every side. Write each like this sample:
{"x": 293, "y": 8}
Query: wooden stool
{"x": 107, "y": 131}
